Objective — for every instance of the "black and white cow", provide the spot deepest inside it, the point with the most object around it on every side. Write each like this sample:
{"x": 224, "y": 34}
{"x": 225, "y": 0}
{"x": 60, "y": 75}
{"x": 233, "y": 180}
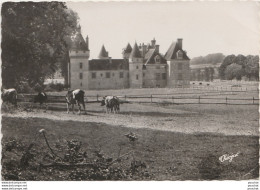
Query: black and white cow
{"x": 75, "y": 97}
{"x": 9, "y": 95}
{"x": 41, "y": 98}
{"x": 112, "y": 103}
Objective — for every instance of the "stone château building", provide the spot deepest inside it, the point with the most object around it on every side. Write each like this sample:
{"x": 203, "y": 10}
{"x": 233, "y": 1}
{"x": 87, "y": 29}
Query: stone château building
{"x": 142, "y": 66}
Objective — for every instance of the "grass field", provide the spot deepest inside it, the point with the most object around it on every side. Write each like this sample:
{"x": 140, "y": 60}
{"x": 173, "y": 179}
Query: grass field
{"x": 177, "y": 142}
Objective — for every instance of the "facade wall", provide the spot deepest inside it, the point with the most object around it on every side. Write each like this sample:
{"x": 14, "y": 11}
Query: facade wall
{"x": 100, "y": 79}
{"x": 79, "y": 69}
{"x": 178, "y": 76}
{"x": 136, "y": 74}
{"x": 155, "y": 75}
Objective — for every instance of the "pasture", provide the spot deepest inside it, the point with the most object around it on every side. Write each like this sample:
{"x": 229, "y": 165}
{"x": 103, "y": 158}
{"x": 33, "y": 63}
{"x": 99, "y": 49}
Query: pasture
{"x": 175, "y": 141}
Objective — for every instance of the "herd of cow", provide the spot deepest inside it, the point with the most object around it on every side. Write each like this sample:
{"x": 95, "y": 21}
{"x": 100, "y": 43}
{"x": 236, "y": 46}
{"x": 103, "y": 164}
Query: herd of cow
{"x": 72, "y": 97}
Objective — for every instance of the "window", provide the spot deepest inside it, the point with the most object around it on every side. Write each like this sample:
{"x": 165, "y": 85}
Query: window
{"x": 80, "y": 65}
{"x": 179, "y": 54}
{"x": 179, "y": 66}
{"x": 93, "y": 75}
{"x": 137, "y": 77}
{"x": 137, "y": 67}
{"x": 107, "y": 75}
{"x": 101, "y": 74}
{"x": 113, "y": 74}
{"x": 80, "y": 75}
{"x": 157, "y": 76}
{"x": 164, "y": 76}
{"x": 180, "y": 76}
{"x": 143, "y": 74}
{"x": 121, "y": 75}
{"x": 157, "y": 59}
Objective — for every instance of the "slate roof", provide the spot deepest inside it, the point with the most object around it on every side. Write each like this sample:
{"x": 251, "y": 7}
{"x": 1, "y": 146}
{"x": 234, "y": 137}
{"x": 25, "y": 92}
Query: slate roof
{"x": 108, "y": 64}
{"x": 172, "y": 52}
{"x": 128, "y": 49}
{"x": 103, "y": 53}
{"x": 78, "y": 43}
{"x": 135, "y": 52}
{"x": 151, "y": 59}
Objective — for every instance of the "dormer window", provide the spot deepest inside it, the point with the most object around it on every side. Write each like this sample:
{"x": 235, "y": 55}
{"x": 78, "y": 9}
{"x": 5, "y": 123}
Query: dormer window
{"x": 157, "y": 59}
{"x": 179, "y": 54}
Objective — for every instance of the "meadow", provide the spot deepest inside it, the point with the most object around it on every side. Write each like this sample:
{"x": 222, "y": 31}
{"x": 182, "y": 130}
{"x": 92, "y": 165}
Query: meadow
{"x": 174, "y": 141}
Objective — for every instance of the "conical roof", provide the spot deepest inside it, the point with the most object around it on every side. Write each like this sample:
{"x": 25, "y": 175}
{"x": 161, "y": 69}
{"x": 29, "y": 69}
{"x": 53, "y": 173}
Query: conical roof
{"x": 78, "y": 43}
{"x": 103, "y": 53}
{"x": 135, "y": 52}
{"x": 128, "y": 49}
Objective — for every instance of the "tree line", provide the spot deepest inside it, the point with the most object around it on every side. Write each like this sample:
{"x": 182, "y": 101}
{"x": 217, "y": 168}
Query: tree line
{"x": 35, "y": 41}
{"x": 236, "y": 67}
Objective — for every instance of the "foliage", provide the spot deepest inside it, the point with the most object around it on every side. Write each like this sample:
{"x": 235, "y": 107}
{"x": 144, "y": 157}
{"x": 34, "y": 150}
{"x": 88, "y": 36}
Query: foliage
{"x": 74, "y": 165}
{"x": 34, "y": 38}
{"x": 239, "y": 66}
{"x": 234, "y": 71}
{"x": 210, "y": 58}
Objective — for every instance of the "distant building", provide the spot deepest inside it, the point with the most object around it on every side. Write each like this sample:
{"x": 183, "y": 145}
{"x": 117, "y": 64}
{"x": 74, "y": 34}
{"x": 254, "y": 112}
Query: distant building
{"x": 198, "y": 71}
{"x": 55, "y": 78}
{"x": 141, "y": 67}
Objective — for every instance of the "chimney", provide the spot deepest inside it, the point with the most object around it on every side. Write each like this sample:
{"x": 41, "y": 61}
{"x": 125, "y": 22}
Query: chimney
{"x": 87, "y": 42}
{"x": 157, "y": 48}
{"x": 144, "y": 47}
{"x": 180, "y": 43}
{"x": 153, "y": 42}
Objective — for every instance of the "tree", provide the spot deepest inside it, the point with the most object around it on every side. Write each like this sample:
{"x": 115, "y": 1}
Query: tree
{"x": 234, "y": 71}
{"x": 207, "y": 74}
{"x": 34, "y": 40}
{"x": 211, "y": 71}
{"x": 252, "y": 67}
{"x": 226, "y": 62}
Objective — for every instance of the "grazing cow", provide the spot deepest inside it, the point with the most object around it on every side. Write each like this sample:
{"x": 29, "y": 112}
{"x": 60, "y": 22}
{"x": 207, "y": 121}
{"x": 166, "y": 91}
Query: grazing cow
{"x": 9, "y": 95}
{"x": 112, "y": 103}
{"x": 41, "y": 98}
{"x": 75, "y": 97}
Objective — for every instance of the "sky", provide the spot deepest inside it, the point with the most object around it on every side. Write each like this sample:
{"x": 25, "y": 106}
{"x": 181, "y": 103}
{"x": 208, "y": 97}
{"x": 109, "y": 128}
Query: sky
{"x": 205, "y": 27}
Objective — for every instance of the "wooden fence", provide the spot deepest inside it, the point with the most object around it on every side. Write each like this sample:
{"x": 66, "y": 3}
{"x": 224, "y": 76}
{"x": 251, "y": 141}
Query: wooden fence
{"x": 159, "y": 98}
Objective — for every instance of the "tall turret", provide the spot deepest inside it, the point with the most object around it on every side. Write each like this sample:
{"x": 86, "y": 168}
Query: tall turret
{"x": 127, "y": 51}
{"x": 135, "y": 68}
{"x": 78, "y": 66}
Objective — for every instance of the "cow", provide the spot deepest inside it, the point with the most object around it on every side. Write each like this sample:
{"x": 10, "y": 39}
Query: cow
{"x": 75, "y": 97}
{"x": 41, "y": 98}
{"x": 112, "y": 104}
{"x": 9, "y": 95}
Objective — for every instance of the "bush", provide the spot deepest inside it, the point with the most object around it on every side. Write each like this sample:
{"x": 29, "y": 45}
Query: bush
{"x": 24, "y": 87}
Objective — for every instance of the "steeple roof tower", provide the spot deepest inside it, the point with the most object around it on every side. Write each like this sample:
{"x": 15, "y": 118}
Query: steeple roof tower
{"x": 135, "y": 52}
{"x": 103, "y": 53}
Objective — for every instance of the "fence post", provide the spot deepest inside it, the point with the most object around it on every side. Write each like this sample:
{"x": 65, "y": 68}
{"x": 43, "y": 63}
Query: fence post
{"x": 253, "y": 100}
{"x": 226, "y": 100}
{"x": 125, "y": 97}
{"x": 172, "y": 100}
{"x": 151, "y": 98}
{"x": 199, "y": 99}
{"x": 97, "y": 97}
